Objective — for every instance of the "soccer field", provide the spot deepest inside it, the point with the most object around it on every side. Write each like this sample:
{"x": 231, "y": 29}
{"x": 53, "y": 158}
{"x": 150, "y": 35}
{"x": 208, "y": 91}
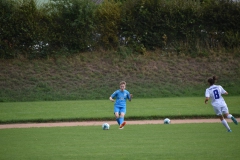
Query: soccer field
{"x": 149, "y": 108}
{"x": 140, "y": 142}
{"x": 174, "y": 141}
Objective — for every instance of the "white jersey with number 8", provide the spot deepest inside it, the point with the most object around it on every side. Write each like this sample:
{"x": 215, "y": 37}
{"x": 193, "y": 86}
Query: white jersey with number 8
{"x": 215, "y": 93}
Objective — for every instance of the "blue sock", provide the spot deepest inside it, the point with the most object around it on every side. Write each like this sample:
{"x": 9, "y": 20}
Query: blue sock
{"x": 117, "y": 119}
{"x": 121, "y": 119}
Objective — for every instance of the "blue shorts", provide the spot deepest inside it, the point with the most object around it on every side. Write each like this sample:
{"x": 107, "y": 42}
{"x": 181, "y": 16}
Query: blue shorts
{"x": 120, "y": 109}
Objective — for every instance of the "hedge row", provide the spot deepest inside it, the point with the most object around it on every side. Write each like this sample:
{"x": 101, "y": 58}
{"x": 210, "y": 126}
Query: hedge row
{"x": 35, "y": 30}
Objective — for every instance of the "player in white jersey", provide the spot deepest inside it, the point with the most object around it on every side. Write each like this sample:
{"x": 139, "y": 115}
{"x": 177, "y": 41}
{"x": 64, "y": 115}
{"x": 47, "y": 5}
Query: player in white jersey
{"x": 214, "y": 92}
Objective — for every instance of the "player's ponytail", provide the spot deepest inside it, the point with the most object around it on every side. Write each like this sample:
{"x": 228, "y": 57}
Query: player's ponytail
{"x": 212, "y": 80}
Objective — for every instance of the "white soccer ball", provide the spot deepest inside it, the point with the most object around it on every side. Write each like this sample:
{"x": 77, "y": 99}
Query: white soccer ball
{"x": 105, "y": 126}
{"x": 166, "y": 121}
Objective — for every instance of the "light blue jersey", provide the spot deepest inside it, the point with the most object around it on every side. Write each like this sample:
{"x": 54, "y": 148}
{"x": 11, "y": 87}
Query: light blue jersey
{"x": 121, "y": 98}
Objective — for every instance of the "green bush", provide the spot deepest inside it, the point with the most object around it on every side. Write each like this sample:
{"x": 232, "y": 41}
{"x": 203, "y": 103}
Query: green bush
{"x": 219, "y": 20}
{"x": 19, "y": 27}
{"x": 69, "y": 26}
{"x": 107, "y": 18}
{"x": 7, "y": 9}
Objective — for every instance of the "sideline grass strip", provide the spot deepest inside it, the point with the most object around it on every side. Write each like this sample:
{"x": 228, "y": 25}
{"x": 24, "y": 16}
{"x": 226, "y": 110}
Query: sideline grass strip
{"x": 155, "y": 108}
{"x": 174, "y": 141}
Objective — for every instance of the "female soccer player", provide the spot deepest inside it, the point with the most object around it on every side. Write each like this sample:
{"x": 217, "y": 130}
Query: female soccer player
{"x": 214, "y": 92}
{"x": 121, "y": 97}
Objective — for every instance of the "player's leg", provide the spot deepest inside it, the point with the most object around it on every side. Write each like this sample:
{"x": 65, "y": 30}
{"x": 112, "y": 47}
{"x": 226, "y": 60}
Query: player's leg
{"x": 225, "y": 124}
{"x": 116, "y": 113}
{"x": 228, "y": 115}
{"x": 121, "y": 117}
{"x": 218, "y": 112}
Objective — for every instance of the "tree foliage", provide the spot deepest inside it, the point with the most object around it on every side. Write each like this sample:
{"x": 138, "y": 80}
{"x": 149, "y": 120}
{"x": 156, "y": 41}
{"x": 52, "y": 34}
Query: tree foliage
{"x": 69, "y": 26}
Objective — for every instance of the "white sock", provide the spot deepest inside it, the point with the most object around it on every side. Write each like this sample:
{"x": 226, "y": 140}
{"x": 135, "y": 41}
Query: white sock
{"x": 229, "y": 116}
{"x": 224, "y": 122}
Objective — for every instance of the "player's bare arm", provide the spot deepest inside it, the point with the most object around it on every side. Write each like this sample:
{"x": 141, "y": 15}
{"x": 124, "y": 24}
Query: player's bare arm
{"x": 206, "y": 100}
{"x": 111, "y": 99}
{"x": 130, "y": 97}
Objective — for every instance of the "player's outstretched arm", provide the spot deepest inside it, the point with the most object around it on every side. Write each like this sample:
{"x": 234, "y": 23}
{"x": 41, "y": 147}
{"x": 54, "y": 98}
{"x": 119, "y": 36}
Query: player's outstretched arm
{"x": 226, "y": 93}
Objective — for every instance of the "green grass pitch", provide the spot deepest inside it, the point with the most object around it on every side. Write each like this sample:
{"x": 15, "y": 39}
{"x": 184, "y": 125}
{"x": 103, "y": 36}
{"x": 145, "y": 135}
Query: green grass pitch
{"x": 134, "y": 142}
{"x": 99, "y": 109}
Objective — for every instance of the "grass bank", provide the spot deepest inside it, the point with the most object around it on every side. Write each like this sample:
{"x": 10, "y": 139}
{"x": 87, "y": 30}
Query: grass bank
{"x": 96, "y": 75}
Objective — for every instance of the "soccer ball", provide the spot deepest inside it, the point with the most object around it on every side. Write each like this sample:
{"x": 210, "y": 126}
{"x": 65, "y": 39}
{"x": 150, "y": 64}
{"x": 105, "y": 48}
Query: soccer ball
{"x": 105, "y": 126}
{"x": 166, "y": 121}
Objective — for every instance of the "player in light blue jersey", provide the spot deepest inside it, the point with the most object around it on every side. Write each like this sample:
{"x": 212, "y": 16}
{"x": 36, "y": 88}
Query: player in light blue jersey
{"x": 214, "y": 92}
{"x": 121, "y": 97}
